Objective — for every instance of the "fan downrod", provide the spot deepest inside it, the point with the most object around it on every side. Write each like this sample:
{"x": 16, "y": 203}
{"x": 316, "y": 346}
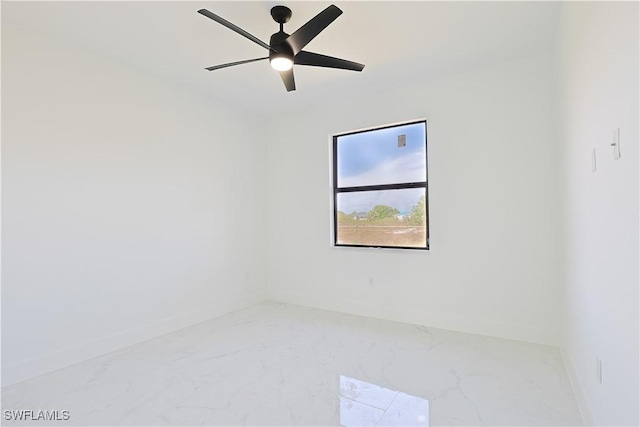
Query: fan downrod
{"x": 281, "y": 14}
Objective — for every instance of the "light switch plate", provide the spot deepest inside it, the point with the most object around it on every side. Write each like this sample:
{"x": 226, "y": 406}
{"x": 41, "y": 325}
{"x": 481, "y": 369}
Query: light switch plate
{"x": 615, "y": 144}
{"x": 593, "y": 160}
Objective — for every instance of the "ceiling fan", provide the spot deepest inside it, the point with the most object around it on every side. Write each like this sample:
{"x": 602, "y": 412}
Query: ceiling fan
{"x": 286, "y": 50}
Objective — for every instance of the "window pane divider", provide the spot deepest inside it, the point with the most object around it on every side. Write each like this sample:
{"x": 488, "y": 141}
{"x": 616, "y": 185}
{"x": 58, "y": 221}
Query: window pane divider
{"x": 381, "y": 187}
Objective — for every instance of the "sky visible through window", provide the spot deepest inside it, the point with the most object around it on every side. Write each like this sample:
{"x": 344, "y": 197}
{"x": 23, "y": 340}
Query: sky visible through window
{"x": 374, "y": 158}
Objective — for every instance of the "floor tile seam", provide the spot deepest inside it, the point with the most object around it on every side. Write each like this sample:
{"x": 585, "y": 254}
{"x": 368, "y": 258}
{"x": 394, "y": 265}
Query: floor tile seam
{"x": 390, "y": 403}
{"x": 371, "y": 406}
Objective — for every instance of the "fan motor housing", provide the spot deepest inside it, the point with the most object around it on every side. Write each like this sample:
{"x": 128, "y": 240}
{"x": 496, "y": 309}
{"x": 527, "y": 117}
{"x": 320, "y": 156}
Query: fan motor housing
{"x": 279, "y": 46}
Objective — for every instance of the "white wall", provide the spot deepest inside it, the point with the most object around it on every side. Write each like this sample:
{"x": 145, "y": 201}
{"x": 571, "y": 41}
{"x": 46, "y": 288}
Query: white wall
{"x": 494, "y": 266}
{"x": 599, "y": 88}
{"x": 127, "y": 206}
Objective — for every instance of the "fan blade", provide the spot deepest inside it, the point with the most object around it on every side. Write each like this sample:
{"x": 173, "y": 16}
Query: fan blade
{"x": 288, "y": 80}
{"x": 233, "y": 27}
{"x": 318, "y": 60}
{"x": 231, "y": 64}
{"x": 308, "y": 31}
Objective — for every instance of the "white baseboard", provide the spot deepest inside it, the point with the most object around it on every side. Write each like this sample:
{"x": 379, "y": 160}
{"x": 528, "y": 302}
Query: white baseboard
{"x": 424, "y": 318}
{"x": 578, "y": 389}
{"x": 52, "y": 361}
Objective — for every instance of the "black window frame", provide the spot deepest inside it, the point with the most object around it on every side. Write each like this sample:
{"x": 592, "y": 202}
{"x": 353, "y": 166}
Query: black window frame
{"x": 421, "y": 184}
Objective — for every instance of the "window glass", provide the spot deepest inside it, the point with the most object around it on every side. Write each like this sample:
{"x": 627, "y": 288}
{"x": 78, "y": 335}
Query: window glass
{"x": 382, "y": 218}
{"x": 383, "y": 156}
{"x": 380, "y": 187}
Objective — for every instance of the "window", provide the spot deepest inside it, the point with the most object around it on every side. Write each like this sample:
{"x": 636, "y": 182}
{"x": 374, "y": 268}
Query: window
{"x": 380, "y": 196}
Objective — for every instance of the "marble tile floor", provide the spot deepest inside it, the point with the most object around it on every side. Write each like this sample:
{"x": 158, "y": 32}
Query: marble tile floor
{"x": 278, "y": 364}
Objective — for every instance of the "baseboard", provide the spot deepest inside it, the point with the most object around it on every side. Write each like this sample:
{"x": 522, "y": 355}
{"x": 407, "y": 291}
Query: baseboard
{"x": 417, "y": 317}
{"x": 578, "y": 389}
{"x": 52, "y": 361}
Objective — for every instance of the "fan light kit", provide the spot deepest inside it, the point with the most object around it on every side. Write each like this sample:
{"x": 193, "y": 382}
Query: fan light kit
{"x": 281, "y": 63}
{"x": 286, "y": 50}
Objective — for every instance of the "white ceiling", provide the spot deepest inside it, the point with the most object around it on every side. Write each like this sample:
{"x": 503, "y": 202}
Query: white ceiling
{"x": 399, "y": 42}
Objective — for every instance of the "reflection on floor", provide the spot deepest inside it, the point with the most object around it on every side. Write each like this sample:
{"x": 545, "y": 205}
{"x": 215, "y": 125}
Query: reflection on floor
{"x": 277, "y": 364}
{"x": 363, "y": 403}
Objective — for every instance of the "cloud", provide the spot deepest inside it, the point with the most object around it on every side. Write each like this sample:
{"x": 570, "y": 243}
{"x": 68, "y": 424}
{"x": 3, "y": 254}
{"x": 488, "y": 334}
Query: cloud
{"x": 408, "y": 168}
